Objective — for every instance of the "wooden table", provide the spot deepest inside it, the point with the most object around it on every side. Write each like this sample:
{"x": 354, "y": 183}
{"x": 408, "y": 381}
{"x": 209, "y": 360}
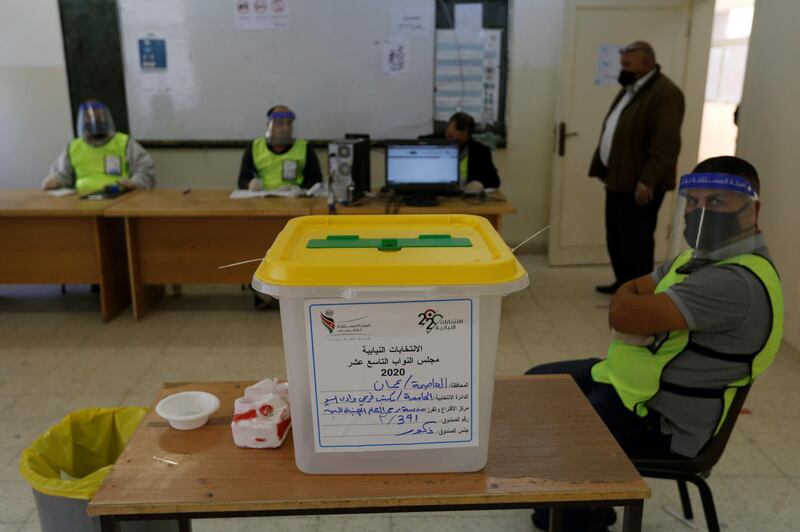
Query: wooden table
{"x": 47, "y": 240}
{"x": 493, "y": 207}
{"x": 548, "y": 448}
{"x": 182, "y": 238}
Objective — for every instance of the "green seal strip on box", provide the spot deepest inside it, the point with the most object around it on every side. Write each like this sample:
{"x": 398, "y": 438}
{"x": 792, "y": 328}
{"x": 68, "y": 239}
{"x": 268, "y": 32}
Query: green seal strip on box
{"x": 388, "y": 244}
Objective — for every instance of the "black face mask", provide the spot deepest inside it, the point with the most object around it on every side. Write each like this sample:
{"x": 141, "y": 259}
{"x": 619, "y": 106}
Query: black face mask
{"x": 626, "y": 77}
{"x": 718, "y": 227}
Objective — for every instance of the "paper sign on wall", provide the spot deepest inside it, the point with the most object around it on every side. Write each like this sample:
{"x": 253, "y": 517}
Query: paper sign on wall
{"x": 468, "y": 75}
{"x": 607, "y": 64}
{"x": 395, "y": 56}
{"x": 469, "y": 18}
{"x": 153, "y": 54}
{"x": 261, "y": 14}
{"x": 393, "y": 375}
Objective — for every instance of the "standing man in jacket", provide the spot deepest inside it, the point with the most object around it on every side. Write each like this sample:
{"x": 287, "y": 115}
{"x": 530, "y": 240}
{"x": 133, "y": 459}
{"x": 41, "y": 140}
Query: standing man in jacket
{"x": 637, "y": 160}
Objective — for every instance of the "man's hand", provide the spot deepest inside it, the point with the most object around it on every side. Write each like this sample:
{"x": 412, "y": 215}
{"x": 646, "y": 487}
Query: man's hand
{"x": 636, "y": 310}
{"x": 50, "y": 182}
{"x": 633, "y": 339}
{"x": 255, "y": 185}
{"x": 127, "y": 184}
{"x": 643, "y": 194}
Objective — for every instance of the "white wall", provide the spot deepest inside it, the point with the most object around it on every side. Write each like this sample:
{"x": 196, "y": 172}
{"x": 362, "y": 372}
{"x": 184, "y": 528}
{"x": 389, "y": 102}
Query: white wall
{"x": 34, "y": 102}
{"x": 768, "y": 137}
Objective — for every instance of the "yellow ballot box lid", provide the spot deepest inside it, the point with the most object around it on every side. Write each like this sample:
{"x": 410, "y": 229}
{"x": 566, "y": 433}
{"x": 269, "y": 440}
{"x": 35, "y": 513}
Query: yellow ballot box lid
{"x": 388, "y": 250}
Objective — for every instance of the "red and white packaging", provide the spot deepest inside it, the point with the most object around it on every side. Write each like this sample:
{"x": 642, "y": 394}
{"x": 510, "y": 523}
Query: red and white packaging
{"x": 261, "y": 419}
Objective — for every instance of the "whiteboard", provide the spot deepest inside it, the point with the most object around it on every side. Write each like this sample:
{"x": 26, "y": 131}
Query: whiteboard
{"x": 326, "y": 59}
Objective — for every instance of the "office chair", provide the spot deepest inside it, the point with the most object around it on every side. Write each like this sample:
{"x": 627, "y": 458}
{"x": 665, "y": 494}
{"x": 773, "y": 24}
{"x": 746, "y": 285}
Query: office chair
{"x": 697, "y": 469}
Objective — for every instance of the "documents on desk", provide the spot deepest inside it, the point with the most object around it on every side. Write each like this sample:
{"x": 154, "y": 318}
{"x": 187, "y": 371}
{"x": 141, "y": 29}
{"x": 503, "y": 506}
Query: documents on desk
{"x": 291, "y": 191}
{"x": 280, "y": 193}
{"x": 61, "y": 192}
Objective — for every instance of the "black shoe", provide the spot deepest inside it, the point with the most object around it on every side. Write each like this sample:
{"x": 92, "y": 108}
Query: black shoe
{"x": 607, "y": 288}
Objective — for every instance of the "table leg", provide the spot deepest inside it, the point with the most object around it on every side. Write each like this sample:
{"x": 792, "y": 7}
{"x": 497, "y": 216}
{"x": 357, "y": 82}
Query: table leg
{"x": 184, "y": 524}
{"x": 108, "y": 524}
{"x": 556, "y": 517}
{"x": 115, "y": 291}
{"x": 632, "y": 521}
{"x": 142, "y": 296}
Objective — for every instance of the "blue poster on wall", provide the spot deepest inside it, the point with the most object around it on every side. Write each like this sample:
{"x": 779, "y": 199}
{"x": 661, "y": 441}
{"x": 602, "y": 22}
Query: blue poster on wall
{"x": 153, "y": 54}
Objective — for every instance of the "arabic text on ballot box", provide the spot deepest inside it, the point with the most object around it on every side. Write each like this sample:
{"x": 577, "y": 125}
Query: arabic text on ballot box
{"x": 394, "y": 374}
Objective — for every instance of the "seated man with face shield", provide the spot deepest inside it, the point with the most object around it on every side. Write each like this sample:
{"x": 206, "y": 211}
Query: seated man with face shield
{"x": 278, "y": 160}
{"x": 691, "y": 332}
{"x": 100, "y": 156}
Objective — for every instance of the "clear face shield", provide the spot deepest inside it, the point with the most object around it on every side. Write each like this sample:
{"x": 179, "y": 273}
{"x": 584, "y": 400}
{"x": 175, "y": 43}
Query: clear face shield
{"x": 280, "y": 128}
{"x": 95, "y": 123}
{"x": 717, "y": 210}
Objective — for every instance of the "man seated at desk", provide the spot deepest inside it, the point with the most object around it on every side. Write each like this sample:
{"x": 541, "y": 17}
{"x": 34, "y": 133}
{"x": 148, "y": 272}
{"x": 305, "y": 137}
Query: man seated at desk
{"x": 476, "y": 169}
{"x": 100, "y": 156}
{"x": 690, "y": 333}
{"x": 278, "y": 160}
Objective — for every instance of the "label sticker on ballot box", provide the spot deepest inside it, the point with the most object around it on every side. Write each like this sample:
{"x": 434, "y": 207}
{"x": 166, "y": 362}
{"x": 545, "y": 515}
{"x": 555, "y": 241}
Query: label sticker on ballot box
{"x": 393, "y": 375}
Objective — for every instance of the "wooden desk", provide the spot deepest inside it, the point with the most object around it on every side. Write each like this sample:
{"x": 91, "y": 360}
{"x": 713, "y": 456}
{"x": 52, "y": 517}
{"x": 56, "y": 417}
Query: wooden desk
{"x": 548, "y": 448}
{"x": 492, "y": 208}
{"x": 47, "y": 240}
{"x": 177, "y": 238}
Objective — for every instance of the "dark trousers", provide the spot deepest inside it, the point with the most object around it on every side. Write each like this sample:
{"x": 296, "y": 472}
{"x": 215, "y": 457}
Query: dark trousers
{"x": 629, "y": 234}
{"x": 638, "y": 437}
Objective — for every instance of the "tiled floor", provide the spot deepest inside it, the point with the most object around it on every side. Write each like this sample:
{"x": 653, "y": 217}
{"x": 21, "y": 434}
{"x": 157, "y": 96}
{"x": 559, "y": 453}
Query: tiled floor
{"x": 57, "y": 356}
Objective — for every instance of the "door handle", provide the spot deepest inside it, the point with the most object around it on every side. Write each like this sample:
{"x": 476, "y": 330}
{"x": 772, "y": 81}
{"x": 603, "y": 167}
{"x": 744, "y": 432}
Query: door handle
{"x": 562, "y": 137}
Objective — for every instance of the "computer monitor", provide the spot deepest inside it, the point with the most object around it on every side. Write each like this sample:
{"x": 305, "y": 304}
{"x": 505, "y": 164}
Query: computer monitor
{"x": 422, "y": 169}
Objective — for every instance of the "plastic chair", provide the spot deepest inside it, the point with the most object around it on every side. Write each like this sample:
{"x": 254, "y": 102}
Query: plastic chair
{"x": 697, "y": 469}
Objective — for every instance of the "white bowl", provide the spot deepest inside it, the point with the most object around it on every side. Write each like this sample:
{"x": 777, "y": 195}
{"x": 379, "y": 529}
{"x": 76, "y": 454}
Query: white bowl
{"x": 187, "y": 410}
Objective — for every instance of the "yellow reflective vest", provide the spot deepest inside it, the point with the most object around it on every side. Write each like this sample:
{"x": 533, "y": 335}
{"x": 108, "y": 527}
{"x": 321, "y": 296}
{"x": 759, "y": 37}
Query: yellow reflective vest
{"x": 96, "y": 167}
{"x": 635, "y": 371}
{"x": 275, "y": 169}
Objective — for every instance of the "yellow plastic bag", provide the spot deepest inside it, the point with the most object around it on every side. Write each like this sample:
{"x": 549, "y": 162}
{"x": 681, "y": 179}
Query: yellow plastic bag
{"x": 84, "y": 445}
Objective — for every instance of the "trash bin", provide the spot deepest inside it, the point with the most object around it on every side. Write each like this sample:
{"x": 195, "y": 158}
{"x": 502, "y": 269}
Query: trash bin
{"x": 390, "y": 331}
{"x": 66, "y": 465}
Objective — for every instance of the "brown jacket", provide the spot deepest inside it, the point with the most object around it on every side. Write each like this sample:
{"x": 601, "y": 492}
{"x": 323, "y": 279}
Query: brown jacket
{"x": 647, "y": 139}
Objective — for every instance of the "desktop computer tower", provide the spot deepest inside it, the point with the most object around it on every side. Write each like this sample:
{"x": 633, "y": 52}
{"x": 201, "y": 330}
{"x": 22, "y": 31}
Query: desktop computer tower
{"x": 349, "y": 167}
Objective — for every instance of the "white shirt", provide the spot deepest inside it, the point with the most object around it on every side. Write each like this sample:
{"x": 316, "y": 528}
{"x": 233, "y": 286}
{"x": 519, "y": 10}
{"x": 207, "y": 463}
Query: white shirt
{"x": 613, "y": 117}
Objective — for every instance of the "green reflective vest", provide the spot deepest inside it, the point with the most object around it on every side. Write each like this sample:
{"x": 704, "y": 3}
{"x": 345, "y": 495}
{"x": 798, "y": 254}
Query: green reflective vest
{"x": 274, "y": 169}
{"x": 98, "y": 166}
{"x": 635, "y": 372}
{"x": 462, "y": 168}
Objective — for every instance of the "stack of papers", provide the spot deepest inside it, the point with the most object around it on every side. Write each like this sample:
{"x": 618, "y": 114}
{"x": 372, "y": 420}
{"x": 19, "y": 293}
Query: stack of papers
{"x": 247, "y": 194}
{"x": 61, "y": 192}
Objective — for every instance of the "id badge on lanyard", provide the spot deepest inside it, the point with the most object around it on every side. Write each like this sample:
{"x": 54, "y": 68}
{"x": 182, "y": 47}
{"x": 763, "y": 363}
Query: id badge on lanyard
{"x": 289, "y": 171}
{"x": 113, "y": 165}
